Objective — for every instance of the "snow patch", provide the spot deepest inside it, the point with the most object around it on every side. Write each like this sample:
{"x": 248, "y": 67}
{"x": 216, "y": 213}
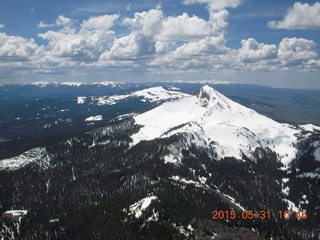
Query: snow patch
{"x": 186, "y": 232}
{"x": 201, "y": 184}
{"x": 55, "y": 220}
{"x": 214, "y": 235}
{"x": 311, "y": 175}
{"x": 15, "y": 215}
{"x": 309, "y": 127}
{"x": 303, "y": 201}
{"x": 137, "y": 208}
{"x": 36, "y": 155}
{"x": 106, "y": 83}
{"x": 94, "y": 118}
{"x": 174, "y": 88}
{"x": 285, "y": 189}
{"x": 291, "y": 206}
{"x": 81, "y": 100}
{"x": 232, "y": 200}
{"x": 73, "y": 84}
{"x": 154, "y": 217}
{"x": 40, "y": 84}
{"x": 172, "y": 158}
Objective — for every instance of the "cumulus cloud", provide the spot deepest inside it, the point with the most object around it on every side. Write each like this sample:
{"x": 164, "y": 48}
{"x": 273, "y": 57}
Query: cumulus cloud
{"x": 148, "y": 23}
{"x": 252, "y": 51}
{"x": 61, "y": 21}
{"x": 84, "y": 44}
{"x": 205, "y": 46}
{"x": 14, "y": 48}
{"x": 311, "y": 65}
{"x": 198, "y": 54}
{"x": 152, "y": 23}
{"x": 129, "y": 48}
{"x": 104, "y": 22}
{"x": 300, "y": 16}
{"x": 218, "y": 16}
{"x": 219, "y": 21}
{"x": 2, "y": 25}
{"x": 183, "y": 28}
{"x": 294, "y": 51}
{"x": 64, "y": 21}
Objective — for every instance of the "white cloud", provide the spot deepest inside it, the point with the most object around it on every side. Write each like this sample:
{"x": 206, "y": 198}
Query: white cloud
{"x": 61, "y": 21}
{"x": 252, "y": 51}
{"x": 300, "y": 16}
{"x": 206, "y": 53}
{"x": 45, "y": 25}
{"x": 64, "y": 21}
{"x": 294, "y": 51}
{"x": 210, "y": 54}
{"x": 83, "y": 45}
{"x": 216, "y": 5}
{"x": 219, "y": 21}
{"x": 183, "y": 28}
{"x": 2, "y": 25}
{"x": 205, "y": 46}
{"x": 146, "y": 23}
{"x": 218, "y": 16}
{"x": 140, "y": 42}
{"x": 179, "y": 28}
{"x": 123, "y": 48}
{"x": 312, "y": 65}
{"x": 104, "y": 22}
{"x": 14, "y": 48}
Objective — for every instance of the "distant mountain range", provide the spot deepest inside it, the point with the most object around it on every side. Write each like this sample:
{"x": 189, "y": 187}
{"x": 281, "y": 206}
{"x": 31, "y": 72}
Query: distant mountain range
{"x": 183, "y": 166}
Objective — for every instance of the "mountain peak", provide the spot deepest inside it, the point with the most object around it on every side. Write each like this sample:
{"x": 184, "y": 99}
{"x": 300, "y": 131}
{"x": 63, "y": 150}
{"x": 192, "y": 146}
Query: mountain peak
{"x": 206, "y": 92}
{"x": 209, "y": 97}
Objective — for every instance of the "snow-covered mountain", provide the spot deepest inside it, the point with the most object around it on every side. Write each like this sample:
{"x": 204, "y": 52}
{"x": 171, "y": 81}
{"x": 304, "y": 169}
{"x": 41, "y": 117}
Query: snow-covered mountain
{"x": 218, "y": 123}
{"x": 153, "y": 94}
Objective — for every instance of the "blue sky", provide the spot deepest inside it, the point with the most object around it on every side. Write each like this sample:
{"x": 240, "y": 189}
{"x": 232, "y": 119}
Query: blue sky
{"x": 247, "y": 41}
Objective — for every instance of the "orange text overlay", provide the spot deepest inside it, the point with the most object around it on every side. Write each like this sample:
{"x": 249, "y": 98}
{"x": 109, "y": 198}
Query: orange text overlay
{"x": 262, "y": 215}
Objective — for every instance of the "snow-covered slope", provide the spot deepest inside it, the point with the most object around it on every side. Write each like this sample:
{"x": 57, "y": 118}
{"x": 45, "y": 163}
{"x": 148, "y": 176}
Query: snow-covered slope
{"x": 153, "y": 94}
{"x": 36, "y": 155}
{"x": 231, "y": 128}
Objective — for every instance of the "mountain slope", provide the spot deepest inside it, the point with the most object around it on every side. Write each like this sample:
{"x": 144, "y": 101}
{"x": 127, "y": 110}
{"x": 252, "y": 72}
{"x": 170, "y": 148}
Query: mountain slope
{"x": 160, "y": 174}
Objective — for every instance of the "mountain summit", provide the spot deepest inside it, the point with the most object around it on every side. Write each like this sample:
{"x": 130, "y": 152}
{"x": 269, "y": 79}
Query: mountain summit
{"x": 210, "y": 97}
